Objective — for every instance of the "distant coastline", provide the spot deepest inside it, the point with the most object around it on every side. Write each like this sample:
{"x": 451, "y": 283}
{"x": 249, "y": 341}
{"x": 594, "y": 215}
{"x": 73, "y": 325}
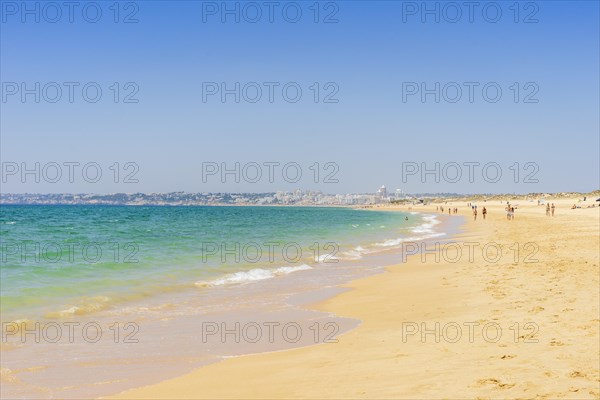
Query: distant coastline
{"x": 281, "y": 198}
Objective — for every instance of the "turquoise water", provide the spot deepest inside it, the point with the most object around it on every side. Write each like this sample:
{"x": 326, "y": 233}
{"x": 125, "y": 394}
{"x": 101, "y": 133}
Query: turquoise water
{"x": 71, "y": 260}
{"x": 160, "y": 274}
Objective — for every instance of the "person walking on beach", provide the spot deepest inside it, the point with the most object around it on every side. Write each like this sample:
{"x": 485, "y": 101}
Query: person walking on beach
{"x": 512, "y": 213}
{"x": 474, "y": 214}
{"x": 552, "y": 209}
{"x": 484, "y": 212}
{"x": 548, "y": 209}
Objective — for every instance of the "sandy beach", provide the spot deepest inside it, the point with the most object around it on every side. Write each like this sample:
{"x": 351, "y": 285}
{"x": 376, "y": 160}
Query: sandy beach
{"x": 285, "y": 200}
{"x": 472, "y": 323}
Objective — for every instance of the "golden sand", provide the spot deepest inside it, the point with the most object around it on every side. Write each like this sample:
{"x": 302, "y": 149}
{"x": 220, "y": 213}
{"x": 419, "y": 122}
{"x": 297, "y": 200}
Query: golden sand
{"x": 544, "y": 298}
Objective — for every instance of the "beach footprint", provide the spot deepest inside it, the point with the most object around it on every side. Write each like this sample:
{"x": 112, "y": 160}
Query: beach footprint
{"x": 495, "y": 382}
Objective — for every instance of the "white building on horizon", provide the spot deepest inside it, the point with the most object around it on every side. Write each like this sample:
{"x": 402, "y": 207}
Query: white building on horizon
{"x": 382, "y": 192}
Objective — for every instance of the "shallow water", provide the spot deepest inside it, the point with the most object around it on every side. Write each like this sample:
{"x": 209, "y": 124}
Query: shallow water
{"x": 164, "y": 315}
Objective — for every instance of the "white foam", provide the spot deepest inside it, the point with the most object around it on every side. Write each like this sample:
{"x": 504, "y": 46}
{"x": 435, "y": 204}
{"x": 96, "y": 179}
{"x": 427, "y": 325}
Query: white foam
{"x": 427, "y": 227}
{"x": 425, "y": 231}
{"x": 396, "y": 242}
{"x": 256, "y": 274}
{"x": 356, "y": 253}
{"x": 324, "y": 258}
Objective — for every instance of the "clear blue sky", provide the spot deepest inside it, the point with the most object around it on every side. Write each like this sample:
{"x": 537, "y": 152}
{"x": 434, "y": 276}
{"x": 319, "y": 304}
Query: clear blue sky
{"x": 372, "y": 49}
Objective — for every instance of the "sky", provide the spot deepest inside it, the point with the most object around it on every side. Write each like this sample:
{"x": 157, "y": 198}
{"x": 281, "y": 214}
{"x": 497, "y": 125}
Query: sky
{"x": 343, "y": 97}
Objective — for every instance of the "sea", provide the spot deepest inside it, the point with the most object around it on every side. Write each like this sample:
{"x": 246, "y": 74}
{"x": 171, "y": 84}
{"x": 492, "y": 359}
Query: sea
{"x": 96, "y": 299}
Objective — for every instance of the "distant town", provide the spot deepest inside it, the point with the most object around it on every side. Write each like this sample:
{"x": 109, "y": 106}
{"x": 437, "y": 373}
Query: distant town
{"x": 296, "y": 197}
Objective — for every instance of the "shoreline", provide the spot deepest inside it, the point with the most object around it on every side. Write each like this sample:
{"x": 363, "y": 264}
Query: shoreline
{"x": 185, "y": 352}
{"x": 417, "y": 292}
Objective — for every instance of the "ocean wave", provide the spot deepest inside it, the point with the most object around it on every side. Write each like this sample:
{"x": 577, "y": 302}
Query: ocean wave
{"x": 427, "y": 227}
{"x": 256, "y": 274}
{"x": 325, "y": 258}
{"x": 356, "y": 253}
{"x": 425, "y": 231}
{"x": 398, "y": 241}
{"x": 86, "y": 306}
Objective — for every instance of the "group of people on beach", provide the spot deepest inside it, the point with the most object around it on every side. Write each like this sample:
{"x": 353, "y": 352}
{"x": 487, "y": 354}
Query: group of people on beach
{"x": 574, "y": 206}
{"x": 510, "y": 211}
{"x": 483, "y": 212}
{"x": 450, "y": 210}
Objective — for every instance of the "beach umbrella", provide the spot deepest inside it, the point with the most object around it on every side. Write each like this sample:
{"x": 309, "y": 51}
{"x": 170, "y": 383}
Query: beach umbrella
{"x": 598, "y": 199}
